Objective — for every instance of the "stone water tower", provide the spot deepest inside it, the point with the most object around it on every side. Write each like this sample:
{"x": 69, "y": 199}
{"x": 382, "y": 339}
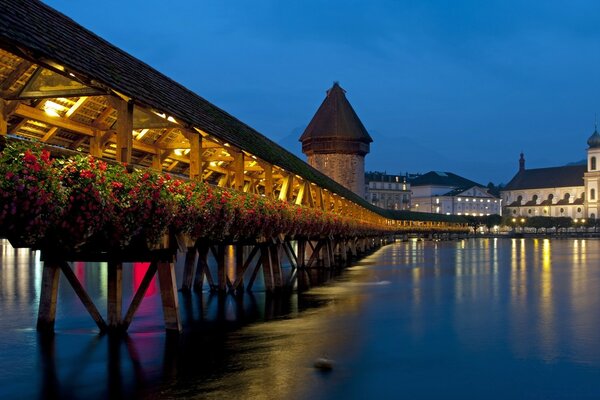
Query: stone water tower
{"x": 336, "y": 142}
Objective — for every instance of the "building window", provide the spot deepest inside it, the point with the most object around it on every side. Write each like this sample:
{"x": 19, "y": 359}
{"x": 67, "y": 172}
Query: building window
{"x": 529, "y": 211}
{"x": 562, "y": 210}
{"x": 592, "y": 194}
{"x": 593, "y": 163}
{"x": 514, "y": 211}
{"x": 578, "y": 209}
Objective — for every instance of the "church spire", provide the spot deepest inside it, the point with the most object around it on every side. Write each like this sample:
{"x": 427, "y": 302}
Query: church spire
{"x": 522, "y": 162}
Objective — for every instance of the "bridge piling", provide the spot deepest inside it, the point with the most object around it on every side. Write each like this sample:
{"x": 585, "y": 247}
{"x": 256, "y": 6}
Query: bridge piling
{"x": 189, "y": 269}
{"x": 48, "y": 297}
{"x": 114, "y": 294}
{"x": 168, "y": 294}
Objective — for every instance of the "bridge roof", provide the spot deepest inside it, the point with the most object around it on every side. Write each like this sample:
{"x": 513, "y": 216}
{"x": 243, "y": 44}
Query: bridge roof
{"x": 39, "y": 33}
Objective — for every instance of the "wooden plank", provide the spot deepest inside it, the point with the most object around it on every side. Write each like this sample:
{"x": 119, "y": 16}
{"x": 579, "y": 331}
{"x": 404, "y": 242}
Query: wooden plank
{"x": 114, "y": 299}
{"x": 3, "y": 118}
{"x": 83, "y": 296}
{"x": 48, "y": 297}
{"x": 168, "y": 294}
{"x": 139, "y": 294}
{"x": 188, "y": 270}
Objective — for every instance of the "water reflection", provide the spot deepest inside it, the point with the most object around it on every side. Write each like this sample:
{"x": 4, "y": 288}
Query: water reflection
{"x": 517, "y": 315}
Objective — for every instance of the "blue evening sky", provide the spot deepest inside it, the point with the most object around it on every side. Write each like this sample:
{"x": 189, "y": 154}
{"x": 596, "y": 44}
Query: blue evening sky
{"x": 457, "y": 85}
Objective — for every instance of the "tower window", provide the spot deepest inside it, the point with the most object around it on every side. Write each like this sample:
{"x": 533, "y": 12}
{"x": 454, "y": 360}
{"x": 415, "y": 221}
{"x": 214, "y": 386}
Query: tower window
{"x": 593, "y": 163}
{"x": 592, "y": 194}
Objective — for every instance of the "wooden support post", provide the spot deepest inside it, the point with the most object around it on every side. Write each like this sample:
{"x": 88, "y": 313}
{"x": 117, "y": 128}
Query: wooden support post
{"x": 276, "y": 265}
{"x": 353, "y": 247}
{"x": 343, "y": 251}
{"x": 157, "y": 161}
{"x": 315, "y": 254}
{"x": 240, "y": 267}
{"x": 139, "y": 295}
{"x": 48, "y": 297}
{"x": 96, "y": 145}
{"x": 114, "y": 294}
{"x": 196, "y": 162}
{"x": 188, "y": 270}
{"x": 3, "y": 118}
{"x": 202, "y": 268}
{"x": 238, "y": 169}
{"x": 168, "y": 294}
{"x": 326, "y": 254}
{"x": 287, "y": 188}
{"x": 83, "y": 296}
{"x": 301, "y": 253}
{"x": 266, "y": 265}
{"x": 124, "y": 128}
{"x": 221, "y": 267}
{"x": 268, "y": 168}
{"x": 239, "y": 279}
{"x": 254, "y": 273}
{"x": 287, "y": 247}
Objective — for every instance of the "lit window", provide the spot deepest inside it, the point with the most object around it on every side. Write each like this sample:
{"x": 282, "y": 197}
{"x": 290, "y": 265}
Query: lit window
{"x": 459, "y": 199}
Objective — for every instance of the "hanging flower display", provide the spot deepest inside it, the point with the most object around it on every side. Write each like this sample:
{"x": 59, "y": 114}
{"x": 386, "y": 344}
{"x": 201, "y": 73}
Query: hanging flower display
{"x": 84, "y": 203}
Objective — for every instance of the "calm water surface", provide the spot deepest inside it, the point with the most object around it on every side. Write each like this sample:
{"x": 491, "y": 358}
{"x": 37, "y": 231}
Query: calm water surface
{"x": 475, "y": 319}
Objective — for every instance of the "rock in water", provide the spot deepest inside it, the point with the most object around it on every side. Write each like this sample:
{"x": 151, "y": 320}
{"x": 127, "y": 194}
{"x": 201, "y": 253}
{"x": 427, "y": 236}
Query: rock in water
{"x": 324, "y": 364}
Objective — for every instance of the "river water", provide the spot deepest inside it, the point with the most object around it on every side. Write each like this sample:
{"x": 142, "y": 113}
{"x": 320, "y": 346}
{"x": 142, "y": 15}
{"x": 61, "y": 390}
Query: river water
{"x": 471, "y": 319}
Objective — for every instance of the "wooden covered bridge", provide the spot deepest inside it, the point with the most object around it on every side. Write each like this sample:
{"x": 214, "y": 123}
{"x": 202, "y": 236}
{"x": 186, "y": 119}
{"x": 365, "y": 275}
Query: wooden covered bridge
{"x": 65, "y": 87}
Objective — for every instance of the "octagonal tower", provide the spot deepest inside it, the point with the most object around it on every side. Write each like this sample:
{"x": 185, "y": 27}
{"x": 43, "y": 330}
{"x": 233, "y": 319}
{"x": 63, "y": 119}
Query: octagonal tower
{"x": 336, "y": 142}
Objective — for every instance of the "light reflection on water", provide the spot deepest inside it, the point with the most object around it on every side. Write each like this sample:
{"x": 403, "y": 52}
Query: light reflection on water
{"x": 486, "y": 318}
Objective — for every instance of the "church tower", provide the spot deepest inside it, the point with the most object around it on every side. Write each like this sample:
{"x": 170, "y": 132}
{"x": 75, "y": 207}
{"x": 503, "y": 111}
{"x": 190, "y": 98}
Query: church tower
{"x": 336, "y": 142}
{"x": 592, "y": 176}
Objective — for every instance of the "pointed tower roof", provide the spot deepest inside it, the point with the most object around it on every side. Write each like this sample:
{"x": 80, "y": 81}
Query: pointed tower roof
{"x": 336, "y": 121}
{"x": 594, "y": 140}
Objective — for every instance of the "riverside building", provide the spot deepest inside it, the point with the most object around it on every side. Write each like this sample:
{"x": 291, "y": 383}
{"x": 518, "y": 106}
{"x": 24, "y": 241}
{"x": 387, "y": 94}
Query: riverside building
{"x": 568, "y": 191}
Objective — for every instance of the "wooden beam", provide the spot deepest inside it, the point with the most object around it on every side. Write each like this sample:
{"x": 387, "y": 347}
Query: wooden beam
{"x": 300, "y": 197}
{"x": 100, "y": 121}
{"x": 124, "y": 128}
{"x": 82, "y": 294}
{"x": 64, "y": 123}
{"x": 3, "y": 118}
{"x": 286, "y": 188}
{"x": 14, "y": 76}
{"x": 139, "y": 295}
{"x": 196, "y": 152}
